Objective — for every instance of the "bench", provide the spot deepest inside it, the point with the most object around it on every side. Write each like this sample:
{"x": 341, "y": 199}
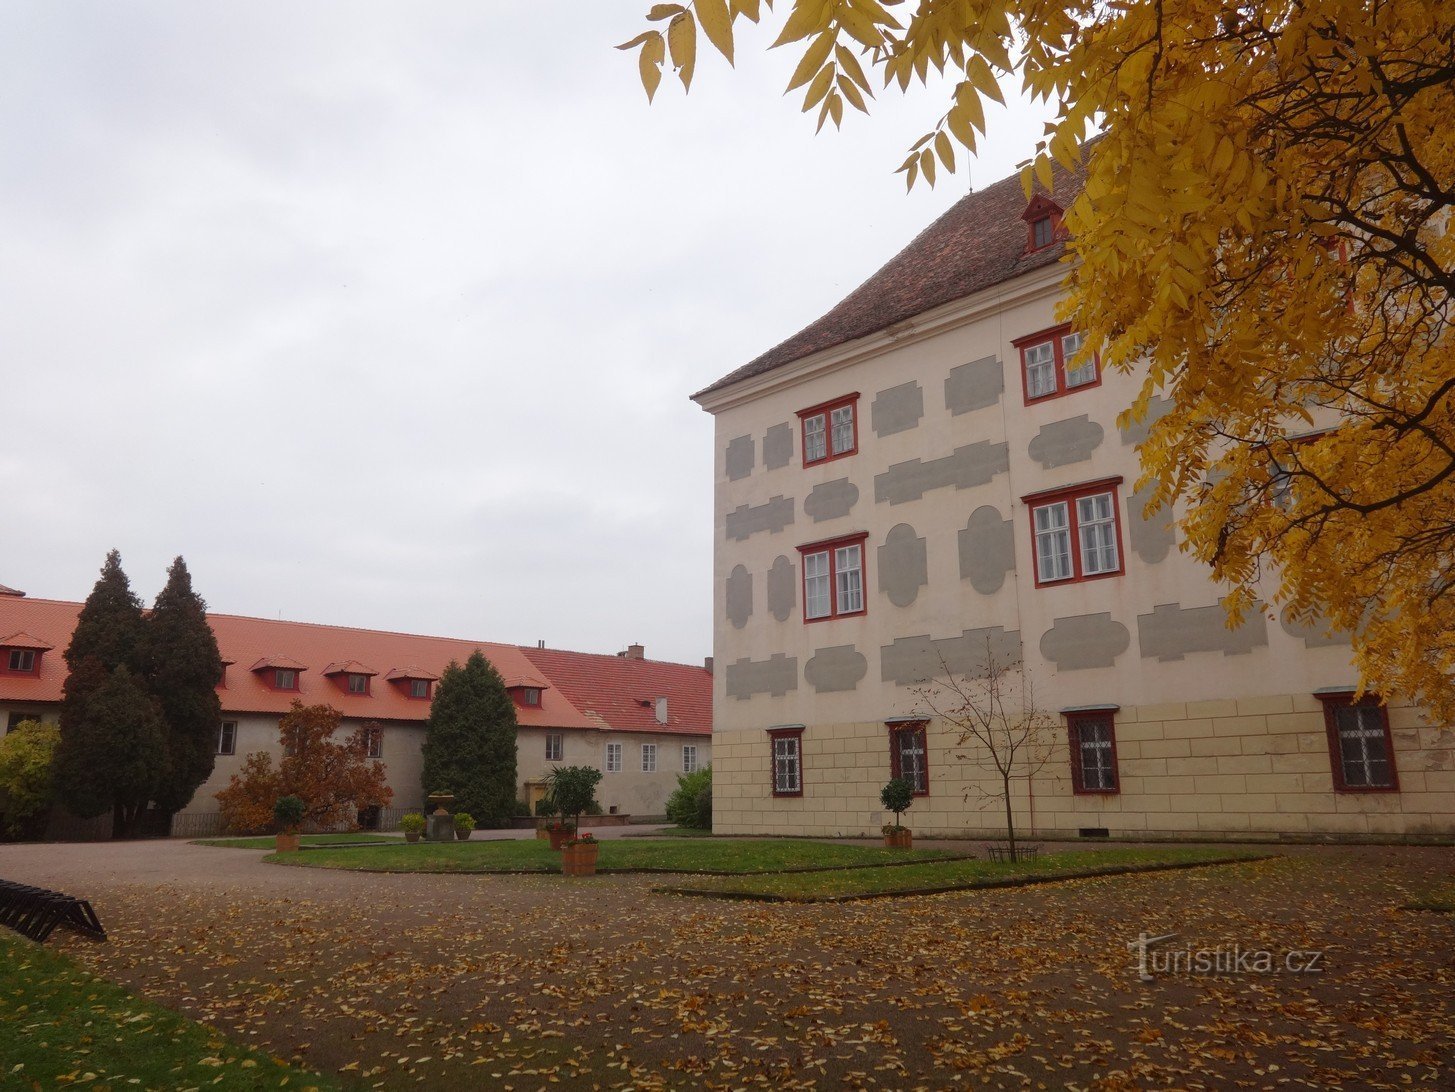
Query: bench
{"x": 34, "y": 912}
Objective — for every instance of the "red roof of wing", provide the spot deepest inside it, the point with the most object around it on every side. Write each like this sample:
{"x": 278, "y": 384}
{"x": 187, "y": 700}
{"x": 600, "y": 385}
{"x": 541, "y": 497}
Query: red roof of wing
{"x": 349, "y": 667}
{"x": 978, "y": 243}
{"x": 25, "y": 640}
{"x": 248, "y": 640}
{"x": 615, "y": 688}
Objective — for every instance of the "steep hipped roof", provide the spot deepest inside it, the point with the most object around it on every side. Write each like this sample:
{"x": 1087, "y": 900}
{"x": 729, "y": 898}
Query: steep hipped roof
{"x": 401, "y": 656}
{"x": 979, "y": 243}
{"x": 622, "y": 692}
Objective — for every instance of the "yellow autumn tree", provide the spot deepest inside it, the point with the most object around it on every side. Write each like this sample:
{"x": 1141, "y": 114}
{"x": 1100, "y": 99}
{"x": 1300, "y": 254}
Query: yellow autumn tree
{"x": 1262, "y": 235}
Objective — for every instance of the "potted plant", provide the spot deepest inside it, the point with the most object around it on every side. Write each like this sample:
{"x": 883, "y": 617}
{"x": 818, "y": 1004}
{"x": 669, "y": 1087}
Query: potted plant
{"x": 573, "y": 791}
{"x": 545, "y": 816}
{"x": 578, "y": 855}
{"x": 413, "y": 826}
{"x": 464, "y": 825}
{"x": 897, "y": 796}
{"x": 288, "y": 813}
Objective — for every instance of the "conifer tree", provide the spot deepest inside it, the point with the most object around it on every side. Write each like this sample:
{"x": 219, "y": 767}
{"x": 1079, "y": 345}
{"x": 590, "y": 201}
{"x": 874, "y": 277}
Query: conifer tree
{"x": 112, "y": 746}
{"x": 110, "y": 623}
{"x": 182, "y": 663}
{"x": 469, "y": 743}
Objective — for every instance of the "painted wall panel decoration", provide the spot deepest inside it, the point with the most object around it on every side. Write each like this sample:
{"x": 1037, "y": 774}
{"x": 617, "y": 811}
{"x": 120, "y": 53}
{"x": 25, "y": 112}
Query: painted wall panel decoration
{"x": 775, "y": 676}
{"x": 837, "y": 668}
{"x": 1061, "y": 443}
{"x": 903, "y": 565}
{"x": 831, "y": 500}
{"x": 1085, "y": 641}
{"x": 910, "y": 661}
{"x": 782, "y": 588}
{"x": 1313, "y": 634}
{"x": 987, "y": 550}
{"x": 778, "y": 446}
{"x": 1152, "y": 539}
{"x": 973, "y": 386}
{"x": 968, "y": 466}
{"x": 1137, "y": 431}
{"x": 738, "y": 459}
{"x": 739, "y": 596}
{"x": 897, "y": 409}
{"x": 747, "y": 520}
{"x": 1172, "y": 631}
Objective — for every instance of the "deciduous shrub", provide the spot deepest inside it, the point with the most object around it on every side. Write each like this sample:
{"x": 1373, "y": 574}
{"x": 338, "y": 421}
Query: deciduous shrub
{"x": 690, "y": 804}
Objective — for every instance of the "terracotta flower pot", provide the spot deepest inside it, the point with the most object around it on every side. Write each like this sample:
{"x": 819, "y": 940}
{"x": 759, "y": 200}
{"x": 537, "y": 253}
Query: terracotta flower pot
{"x": 899, "y": 839}
{"x": 579, "y": 859}
{"x": 559, "y": 836}
{"x": 286, "y": 843}
{"x": 413, "y": 836}
{"x": 463, "y": 835}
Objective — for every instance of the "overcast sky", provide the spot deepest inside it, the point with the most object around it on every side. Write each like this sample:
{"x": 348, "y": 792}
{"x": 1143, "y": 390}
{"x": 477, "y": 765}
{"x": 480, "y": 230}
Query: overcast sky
{"x": 387, "y": 315}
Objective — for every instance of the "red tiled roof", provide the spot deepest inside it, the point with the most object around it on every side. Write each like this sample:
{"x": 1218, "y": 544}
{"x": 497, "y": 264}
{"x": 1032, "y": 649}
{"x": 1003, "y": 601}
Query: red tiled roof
{"x": 25, "y": 640}
{"x": 533, "y": 681}
{"x": 979, "y": 243}
{"x": 11, "y": 591}
{"x": 287, "y": 663}
{"x": 409, "y": 656}
{"x": 621, "y": 693}
{"x": 349, "y": 667}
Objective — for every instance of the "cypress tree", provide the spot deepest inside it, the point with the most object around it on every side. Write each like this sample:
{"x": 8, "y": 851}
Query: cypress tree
{"x": 109, "y": 625}
{"x": 469, "y": 741}
{"x": 112, "y": 745}
{"x": 182, "y": 665}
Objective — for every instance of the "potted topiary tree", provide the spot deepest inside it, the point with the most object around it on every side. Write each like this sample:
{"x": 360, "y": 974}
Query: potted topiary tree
{"x": 464, "y": 825}
{"x": 288, "y": 813}
{"x": 573, "y": 790}
{"x": 413, "y": 826}
{"x": 546, "y": 818}
{"x": 897, "y": 796}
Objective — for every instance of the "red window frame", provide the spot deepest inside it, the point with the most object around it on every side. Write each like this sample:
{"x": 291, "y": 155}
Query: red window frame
{"x": 774, "y": 736}
{"x": 278, "y": 678}
{"x": 829, "y": 546}
{"x": 1054, "y": 336}
{"x": 530, "y": 695}
{"x": 349, "y": 678}
{"x": 1074, "y": 723}
{"x": 413, "y": 683}
{"x": 917, "y": 730}
{"x": 1070, "y": 495}
{"x": 1332, "y": 703}
{"x": 10, "y": 652}
{"x": 825, "y": 410}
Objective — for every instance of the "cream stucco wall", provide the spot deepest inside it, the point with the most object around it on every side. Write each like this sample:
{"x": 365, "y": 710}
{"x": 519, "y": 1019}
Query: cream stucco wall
{"x": 630, "y": 791}
{"x": 1150, "y": 638}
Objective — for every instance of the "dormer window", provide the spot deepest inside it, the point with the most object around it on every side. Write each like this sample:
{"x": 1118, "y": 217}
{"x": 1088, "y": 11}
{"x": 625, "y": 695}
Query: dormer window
{"x": 1043, "y": 223}
{"x": 285, "y": 678}
{"x": 358, "y": 684}
{"x": 351, "y": 677}
{"x": 280, "y": 672}
{"x": 21, "y": 654}
{"x": 419, "y": 689}
{"x": 526, "y": 690}
{"x": 415, "y": 683}
{"x": 531, "y": 695}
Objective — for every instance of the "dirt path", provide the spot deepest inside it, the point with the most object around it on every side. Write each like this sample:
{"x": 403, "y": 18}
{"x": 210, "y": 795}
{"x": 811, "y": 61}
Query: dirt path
{"x": 475, "y": 981}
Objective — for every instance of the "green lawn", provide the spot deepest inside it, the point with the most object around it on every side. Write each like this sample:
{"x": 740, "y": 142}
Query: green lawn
{"x": 266, "y": 842}
{"x": 944, "y": 875}
{"x": 61, "y": 1025}
{"x": 668, "y": 854}
{"x": 1440, "y": 898}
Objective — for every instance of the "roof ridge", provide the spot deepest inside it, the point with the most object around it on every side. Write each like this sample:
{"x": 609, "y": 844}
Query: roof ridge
{"x": 527, "y": 649}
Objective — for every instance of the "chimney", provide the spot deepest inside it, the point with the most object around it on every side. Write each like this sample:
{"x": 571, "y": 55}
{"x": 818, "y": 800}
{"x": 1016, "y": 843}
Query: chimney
{"x": 707, "y": 664}
{"x": 541, "y": 644}
{"x": 661, "y": 710}
{"x": 633, "y": 652}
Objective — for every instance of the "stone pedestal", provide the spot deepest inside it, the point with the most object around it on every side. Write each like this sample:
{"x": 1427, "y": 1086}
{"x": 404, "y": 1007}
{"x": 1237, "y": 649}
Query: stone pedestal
{"x": 441, "y": 826}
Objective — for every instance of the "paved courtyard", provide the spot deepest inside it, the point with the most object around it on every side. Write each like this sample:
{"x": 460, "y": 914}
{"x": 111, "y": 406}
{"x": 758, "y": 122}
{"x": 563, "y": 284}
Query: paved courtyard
{"x": 523, "y": 981}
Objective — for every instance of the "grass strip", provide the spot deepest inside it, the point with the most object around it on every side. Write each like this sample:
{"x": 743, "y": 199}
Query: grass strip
{"x": 693, "y": 856}
{"x": 61, "y": 1025}
{"x": 1438, "y": 900}
{"x": 266, "y": 841}
{"x": 934, "y": 878}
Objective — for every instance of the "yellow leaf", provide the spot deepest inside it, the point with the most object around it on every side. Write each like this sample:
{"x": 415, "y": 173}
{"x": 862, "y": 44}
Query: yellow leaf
{"x": 717, "y": 25}
{"x": 649, "y": 63}
{"x": 819, "y": 87}
{"x": 682, "y": 39}
{"x": 850, "y": 64}
{"x": 927, "y": 165}
{"x": 945, "y": 150}
{"x": 813, "y": 59}
{"x": 851, "y": 92}
{"x": 664, "y": 11}
{"x": 806, "y": 17}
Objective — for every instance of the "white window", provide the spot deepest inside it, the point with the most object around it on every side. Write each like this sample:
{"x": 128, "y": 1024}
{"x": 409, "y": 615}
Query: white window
{"x": 1040, "y": 369}
{"x": 1053, "y": 541}
{"x": 841, "y": 421}
{"x": 833, "y": 578}
{"x": 419, "y": 688}
{"x": 374, "y": 737}
{"x": 1076, "y": 534}
{"x": 555, "y": 748}
{"x": 787, "y": 762}
{"x": 849, "y": 573}
{"x": 689, "y": 758}
{"x": 1085, "y": 372}
{"x": 358, "y": 684}
{"x": 815, "y": 437}
{"x": 285, "y": 679}
{"x": 532, "y": 695}
{"x": 613, "y": 758}
{"x": 649, "y": 758}
{"x": 1093, "y": 752}
{"x": 817, "y": 597}
{"x": 22, "y": 660}
{"x": 227, "y": 738}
